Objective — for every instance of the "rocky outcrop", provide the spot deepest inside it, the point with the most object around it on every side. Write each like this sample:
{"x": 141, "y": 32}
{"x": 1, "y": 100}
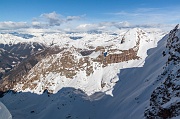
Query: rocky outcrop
{"x": 165, "y": 99}
{"x": 86, "y": 52}
{"x": 126, "y": 55}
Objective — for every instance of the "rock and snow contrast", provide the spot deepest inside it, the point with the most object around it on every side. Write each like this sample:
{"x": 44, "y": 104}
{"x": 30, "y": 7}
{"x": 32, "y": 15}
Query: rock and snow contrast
{"x": 133, "y": 73}
{"x": 165, "y": 99}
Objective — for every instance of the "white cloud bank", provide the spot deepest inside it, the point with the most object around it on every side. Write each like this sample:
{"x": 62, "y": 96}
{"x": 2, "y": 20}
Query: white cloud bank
{"x": 169, "y": 15}
{"x": 57, "y": 22}
{"x": 7, "y": 25}
{"x": 102, "y": 26}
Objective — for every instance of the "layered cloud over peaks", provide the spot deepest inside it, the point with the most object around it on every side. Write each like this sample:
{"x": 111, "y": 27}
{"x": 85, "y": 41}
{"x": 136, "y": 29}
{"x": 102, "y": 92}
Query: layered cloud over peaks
{"x": 116, "y": 24}
{"x": 44, "y": 21}
{"x": 57, "y": 22}
{"x": 8, "y": 25}
{"x": 102, "y": 26}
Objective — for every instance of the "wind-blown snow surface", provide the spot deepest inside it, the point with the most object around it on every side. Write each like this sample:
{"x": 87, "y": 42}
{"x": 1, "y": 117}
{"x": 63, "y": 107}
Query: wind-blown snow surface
{"x": 131, "y": 96}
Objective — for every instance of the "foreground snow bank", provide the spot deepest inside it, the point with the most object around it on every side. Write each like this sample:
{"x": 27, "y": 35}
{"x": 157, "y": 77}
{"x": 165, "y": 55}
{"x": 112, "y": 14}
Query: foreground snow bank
{"x": 4, "y": 113}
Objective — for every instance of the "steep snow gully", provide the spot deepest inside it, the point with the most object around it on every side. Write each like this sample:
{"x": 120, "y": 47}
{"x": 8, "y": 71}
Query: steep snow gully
{"x": 131, "y": 95}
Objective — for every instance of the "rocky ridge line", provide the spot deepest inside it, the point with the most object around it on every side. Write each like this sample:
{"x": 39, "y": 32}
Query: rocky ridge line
{"x": 165, "y": 99}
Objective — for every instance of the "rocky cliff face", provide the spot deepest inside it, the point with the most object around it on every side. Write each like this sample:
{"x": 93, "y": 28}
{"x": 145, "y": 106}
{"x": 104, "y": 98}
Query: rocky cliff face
{"x": 165, "y": 99}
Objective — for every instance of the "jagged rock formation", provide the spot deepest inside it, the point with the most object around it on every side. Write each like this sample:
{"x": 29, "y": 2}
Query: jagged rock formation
{"x": 165, "y": 99}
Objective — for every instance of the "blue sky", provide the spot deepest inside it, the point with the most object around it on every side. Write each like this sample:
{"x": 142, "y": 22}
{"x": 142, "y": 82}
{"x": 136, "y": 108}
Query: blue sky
{"x": 89, "y": 11}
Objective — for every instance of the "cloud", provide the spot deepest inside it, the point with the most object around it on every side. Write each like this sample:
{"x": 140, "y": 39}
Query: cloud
{"x": 51, "y": 20}
{"x": 123, "y": 13}
{"x": 8, "y": 25}
{"x": 115, "y": 24}
{"x": 54, "y": 19}
{"x": 71, "y": 18}
{"x": 57, "y": 22}
{"x": 102, "y": 26}
{"x": 150, "y": 15}
{"x": 145, "y": 10}
{"x": 40, "y": 25}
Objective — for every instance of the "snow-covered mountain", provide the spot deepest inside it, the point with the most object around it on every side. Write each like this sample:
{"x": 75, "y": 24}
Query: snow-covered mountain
{"x": 90, "y": 63}
{"x": 93, "y": 76}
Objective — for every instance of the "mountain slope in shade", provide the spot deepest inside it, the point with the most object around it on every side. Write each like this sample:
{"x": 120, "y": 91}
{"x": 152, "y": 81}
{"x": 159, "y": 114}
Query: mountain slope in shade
{"x": 132, "y": 93}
